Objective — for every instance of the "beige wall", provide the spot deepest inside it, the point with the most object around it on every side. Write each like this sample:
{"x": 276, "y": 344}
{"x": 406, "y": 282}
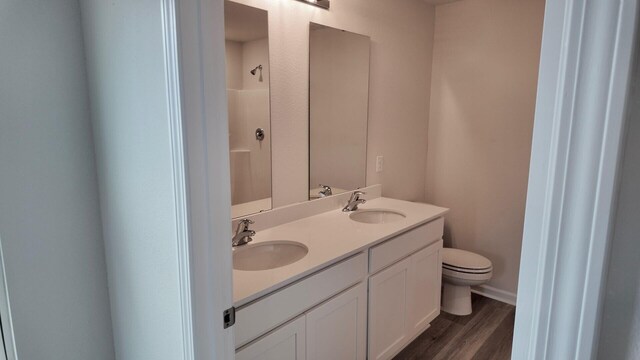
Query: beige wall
{"x": 485, "y": 68}
{"x": 401, "y": 35}
{"x": 485, "y": 61}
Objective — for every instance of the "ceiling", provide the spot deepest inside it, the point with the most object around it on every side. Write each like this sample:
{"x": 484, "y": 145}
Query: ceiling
{"x": 439, "y": 2}
{"x": 244, "y": 23}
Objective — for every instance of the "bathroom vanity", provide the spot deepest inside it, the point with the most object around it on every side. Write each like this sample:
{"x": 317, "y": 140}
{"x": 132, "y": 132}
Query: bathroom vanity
{"x": 368, "y": 284}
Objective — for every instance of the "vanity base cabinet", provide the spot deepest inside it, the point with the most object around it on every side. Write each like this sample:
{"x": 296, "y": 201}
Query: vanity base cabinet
{"x": 388, "y": 310}
{"x": 426, "y": 279}
{"x": 284, "y": 343}
{"x": 337, "y": 329}
{"x": 342, "y": 313}
{"x": 261, "y": 316}
{"x": 403, "y": 299}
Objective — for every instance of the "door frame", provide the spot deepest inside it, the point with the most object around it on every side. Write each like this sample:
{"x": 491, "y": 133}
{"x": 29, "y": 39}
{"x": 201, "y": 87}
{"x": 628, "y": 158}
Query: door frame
{"x": 578, "y": 131}
{"x": 195, "y": 68}
{"x": 5, "y": 313}
{"x": 577, "y": 138}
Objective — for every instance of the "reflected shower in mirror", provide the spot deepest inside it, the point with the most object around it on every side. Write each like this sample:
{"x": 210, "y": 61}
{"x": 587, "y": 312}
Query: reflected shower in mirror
{"x": 247, "y": 57}
{"x": 338, "y": 110}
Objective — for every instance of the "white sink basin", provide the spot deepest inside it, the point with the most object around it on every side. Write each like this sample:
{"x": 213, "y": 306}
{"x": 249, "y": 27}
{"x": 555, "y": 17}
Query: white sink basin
{"x": 376, "y": 216}
{"x": 268, "y": 255}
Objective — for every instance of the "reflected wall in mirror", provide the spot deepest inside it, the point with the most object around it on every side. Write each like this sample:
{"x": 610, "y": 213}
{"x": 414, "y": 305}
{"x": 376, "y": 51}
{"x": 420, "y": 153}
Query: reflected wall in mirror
{"x": 338, "y": 110}
{"x": 247, "y": 58}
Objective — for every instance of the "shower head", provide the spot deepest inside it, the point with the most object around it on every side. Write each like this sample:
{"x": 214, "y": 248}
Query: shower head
{"x": 253, "y": 72}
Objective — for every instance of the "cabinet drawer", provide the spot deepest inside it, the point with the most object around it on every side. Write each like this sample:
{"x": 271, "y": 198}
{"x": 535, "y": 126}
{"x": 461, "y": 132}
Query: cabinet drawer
{"x": 285, "y": 343}
{"x": 266, "y": 313}
{"x": 405, "y": 244}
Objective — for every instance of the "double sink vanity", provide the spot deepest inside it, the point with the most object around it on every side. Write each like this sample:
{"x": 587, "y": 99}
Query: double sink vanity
{"x": 317, "y": 282}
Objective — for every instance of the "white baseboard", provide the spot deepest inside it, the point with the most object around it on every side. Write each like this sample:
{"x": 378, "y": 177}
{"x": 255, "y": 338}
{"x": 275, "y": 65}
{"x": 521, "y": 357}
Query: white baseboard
{"x": 495, "y": 294}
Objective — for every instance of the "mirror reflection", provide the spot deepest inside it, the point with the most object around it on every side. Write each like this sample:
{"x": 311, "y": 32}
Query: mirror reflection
{"x": 338, "y": 110}
{"x": 247, "y": 58}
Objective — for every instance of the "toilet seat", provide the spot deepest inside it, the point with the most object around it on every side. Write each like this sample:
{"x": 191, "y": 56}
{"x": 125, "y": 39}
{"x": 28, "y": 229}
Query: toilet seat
{"x": 465, "y": 262}
{"x": 461, "y": 278}
{"x": 465, "y": 270}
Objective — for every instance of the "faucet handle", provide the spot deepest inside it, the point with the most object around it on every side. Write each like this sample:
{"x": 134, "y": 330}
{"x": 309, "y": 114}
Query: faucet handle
{"x": 352, "y": 205}
{"x": 326, "y": 190}
{"x": 356, "y": 194}
{"x": 244, "y": 224}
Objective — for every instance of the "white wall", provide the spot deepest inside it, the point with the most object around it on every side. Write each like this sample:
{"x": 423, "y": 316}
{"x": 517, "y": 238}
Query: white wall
{"x": 49, "y": 213}
{"x": 250, "y": 158}
{"x": 620, "y": 327}
{"x": 254, "y": 103}
{"x": 125, "y": 62}
{"x": 485, "y": 67}
{"x": 248, "y": 106}
{"x": 401, "y": 37}
{"x": 254, "y": 53}
{"x": 233, "y": 58}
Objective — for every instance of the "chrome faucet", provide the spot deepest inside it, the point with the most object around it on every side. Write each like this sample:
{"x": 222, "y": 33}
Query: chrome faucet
{"x": 326, "y": 191}
{"x": 354, "y": 201}
{"x": 243, "y": 234}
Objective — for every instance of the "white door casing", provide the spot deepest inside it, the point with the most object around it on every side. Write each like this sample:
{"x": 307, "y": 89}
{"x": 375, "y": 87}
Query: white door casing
{"x": 172, "y": 70}
{"x": 8, "y": 342}
{"x": 200, "y": 38}
{"x": 582, "y": 87}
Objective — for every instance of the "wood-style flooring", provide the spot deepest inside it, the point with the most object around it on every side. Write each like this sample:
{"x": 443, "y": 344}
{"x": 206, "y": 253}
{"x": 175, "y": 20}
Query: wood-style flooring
{"x": 486, "y": 334}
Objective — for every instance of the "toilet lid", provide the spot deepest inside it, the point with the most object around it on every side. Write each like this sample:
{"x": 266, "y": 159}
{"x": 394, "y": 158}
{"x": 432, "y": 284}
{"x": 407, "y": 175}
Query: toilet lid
{"x": 465, "y": 260}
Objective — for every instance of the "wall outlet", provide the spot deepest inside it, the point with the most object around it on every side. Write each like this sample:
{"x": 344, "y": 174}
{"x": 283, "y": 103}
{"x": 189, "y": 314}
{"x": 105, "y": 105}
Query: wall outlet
{"x": 379, "y": 163}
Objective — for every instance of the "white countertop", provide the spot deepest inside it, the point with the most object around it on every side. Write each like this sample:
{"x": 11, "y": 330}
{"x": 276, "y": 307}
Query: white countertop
{"x": 330, "y": 237}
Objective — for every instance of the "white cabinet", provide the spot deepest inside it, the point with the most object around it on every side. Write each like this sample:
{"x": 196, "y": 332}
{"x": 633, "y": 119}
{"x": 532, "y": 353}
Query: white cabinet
{"x": 390, "y": 251}
{"x": 424, "y": 292}
{"x": 259, "y": 317}
{"x": 284, "y": 343}
{"x": 388, "y": 310}
{"x": 337, "y": 329}
{"x": 403, "y": 299}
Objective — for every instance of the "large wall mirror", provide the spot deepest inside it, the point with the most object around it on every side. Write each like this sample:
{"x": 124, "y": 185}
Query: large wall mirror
{"x": 247, "y": 57}
{"x": 338, "y": 110}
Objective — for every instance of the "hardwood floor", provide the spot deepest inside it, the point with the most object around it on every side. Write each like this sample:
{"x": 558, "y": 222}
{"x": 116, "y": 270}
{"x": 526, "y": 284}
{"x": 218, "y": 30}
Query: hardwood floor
{"x": 486, "y": 334}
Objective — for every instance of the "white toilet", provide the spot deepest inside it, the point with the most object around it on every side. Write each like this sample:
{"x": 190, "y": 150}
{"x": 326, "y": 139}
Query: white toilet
{"x": 460, "y": 270}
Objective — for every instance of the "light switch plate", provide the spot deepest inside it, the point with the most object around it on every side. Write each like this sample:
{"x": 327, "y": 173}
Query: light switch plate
{"x": 379, "y": 163}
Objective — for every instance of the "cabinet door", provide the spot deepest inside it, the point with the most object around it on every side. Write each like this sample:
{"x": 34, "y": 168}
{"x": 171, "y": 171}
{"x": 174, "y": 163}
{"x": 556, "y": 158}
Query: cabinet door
{"x": 284, "y": 343}
{"x": 388, "y": 309}
{"x": 337, "y": 329}
{"x": 424, "y": 290}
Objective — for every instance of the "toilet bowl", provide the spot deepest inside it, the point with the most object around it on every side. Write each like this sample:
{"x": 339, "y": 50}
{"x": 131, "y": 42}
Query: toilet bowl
{"x": 460, "y": 270}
